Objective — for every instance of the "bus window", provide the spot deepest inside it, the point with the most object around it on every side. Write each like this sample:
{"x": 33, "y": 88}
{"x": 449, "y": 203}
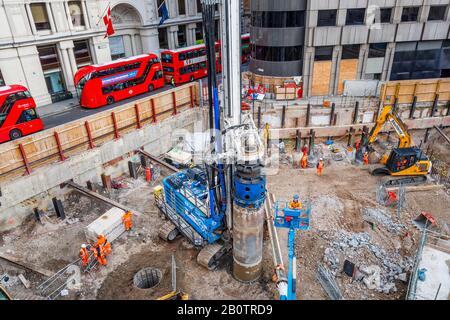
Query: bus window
{"x": 158, "y": 75}
{"x": 182, "y": 56}
{"x": 27, "y": 115}
{"x": 2, "y": 118}
{"x": 166, "y": 58}
{"x": 168, "y": 69}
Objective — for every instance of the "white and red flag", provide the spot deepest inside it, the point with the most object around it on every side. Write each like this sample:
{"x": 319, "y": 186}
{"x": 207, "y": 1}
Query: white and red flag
{"x": 107, "y": 20}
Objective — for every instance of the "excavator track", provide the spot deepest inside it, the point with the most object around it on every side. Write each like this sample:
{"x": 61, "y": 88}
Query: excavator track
{"x": 390, "y": 181}
{"x": 168, "y": 231}
{"x": 211, "y": 254}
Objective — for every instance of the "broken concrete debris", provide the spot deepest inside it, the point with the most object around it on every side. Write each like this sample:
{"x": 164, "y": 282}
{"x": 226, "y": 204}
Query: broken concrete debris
{"x": 360, "y": 248}
{"x": 380, "y": 216}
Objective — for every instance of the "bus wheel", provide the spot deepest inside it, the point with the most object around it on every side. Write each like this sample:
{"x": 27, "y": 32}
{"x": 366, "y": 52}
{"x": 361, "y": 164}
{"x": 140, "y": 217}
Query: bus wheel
{"x": 110, "y": 100}
{"x": 15, "y": 134}
{"x": 192, "y": 78}
{"x": 151, "y": 88}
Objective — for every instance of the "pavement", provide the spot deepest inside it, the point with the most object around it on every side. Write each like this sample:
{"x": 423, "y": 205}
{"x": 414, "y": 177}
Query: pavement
{"x": 62, "y": 112}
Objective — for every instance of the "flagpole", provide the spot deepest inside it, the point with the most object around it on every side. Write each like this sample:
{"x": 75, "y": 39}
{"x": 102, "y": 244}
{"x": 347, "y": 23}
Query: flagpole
{"x": 103, "y": 14}
{"x": 161, "y": 4}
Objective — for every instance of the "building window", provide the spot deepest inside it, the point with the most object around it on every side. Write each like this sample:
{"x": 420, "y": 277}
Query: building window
{"x": 410, "y": 14}
{"x": 48, "y": 56}
{"x": 278, "y": 53}
{"x": 82, "y": 53}
{"x": 199, "y": 32}
{"x": 279, "y": 19}
{"x": 2, "y": 81}
{"x": 181, "y": 7}
{"x": 355, "y": 17}
{"x": 76, "y": 13}
{"x": 40, "y": 16}
{"x": 385, "y": 15}
{"x": 199, "y": 6}
{"x": 326, "y": 18}
{"x": 350, "y": 51}
{"x": 117, "y": 47}
{"x": 437, "y": 13}
{"x": 323, "y": 54}
{"x": 162, "y": 37}
{"x": 181, "y": 36}
{"x": 377, "y": 50}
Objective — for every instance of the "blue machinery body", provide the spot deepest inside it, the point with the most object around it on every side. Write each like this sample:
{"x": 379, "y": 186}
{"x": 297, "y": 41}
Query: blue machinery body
{"x": 292, "y": 219}
{"x": 186, "y": 194}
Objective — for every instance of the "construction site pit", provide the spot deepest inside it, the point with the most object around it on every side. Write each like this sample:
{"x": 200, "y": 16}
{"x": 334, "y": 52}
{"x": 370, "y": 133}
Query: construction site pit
{"x": 348, "y": 226}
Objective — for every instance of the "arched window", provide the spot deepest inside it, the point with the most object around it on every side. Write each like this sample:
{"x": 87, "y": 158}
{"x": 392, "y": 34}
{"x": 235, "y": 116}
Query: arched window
{"x": 76, "y": 13}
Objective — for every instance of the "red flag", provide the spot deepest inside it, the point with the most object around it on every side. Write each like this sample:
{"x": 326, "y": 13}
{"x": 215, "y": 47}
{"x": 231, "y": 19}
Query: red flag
{"x": 109, "y": 24}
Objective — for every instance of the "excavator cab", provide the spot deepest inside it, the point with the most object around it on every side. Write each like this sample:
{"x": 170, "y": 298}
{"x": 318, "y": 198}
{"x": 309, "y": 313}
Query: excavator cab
{"x": 408, "y": 161}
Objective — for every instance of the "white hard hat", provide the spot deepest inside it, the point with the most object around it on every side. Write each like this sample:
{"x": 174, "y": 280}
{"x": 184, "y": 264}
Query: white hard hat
{"x": 321, "y": 159}
{"x": 83, "y": 246}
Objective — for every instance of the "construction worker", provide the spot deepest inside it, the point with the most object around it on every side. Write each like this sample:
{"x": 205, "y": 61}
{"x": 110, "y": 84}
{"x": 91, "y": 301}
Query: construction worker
{"x": 295, "y": 203}
{"x": 320, "y": 166}
{"x": 127, "y": 220}
{"x": 172, "y": 82}
{"x": 304, "y": 161}
{"x": 99, "y": 254}
{"x": 84, "y": 256}
{"x": 366, "y": 159}
{"x": 103, "y": 244}
{"x": 305, "y": 149}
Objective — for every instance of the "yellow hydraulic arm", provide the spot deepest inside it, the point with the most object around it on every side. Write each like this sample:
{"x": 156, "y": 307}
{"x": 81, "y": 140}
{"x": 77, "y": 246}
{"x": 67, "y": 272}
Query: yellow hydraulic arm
{"x": 388, "y": 114}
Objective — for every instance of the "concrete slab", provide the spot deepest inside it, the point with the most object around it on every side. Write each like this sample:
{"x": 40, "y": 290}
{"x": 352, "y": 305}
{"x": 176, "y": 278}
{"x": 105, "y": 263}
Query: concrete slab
{"x": 438, "y": 273}
{"x": 109, "y": 224}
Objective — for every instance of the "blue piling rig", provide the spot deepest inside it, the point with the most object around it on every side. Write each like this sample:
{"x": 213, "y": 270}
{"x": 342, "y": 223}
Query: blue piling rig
{"x": 188, "y": 193}
{"x": 292, "y": 219}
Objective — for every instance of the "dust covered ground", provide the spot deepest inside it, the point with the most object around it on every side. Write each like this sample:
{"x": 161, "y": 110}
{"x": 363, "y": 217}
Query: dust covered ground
{"x": 347, "y": 223}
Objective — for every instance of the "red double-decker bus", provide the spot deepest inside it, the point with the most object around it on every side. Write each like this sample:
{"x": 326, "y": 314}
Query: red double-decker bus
{"x": 189, "y": 64}
{"x": 184, "y": 64}
{"x": 18, "y": 116}
{"x": 100, "y": 85}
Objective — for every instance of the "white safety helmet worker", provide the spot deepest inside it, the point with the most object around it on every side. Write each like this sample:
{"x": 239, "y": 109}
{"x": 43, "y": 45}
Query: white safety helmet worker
{"x": 83, "y": 246}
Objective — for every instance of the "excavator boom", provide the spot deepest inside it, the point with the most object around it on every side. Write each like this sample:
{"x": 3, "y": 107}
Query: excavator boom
{"x": 388, "y": 115}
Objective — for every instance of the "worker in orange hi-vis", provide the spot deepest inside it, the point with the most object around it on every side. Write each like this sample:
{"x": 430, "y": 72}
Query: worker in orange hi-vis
{"x": 99, "y": 254}
{"x": 295, "y": 203}
{"x": 366, "y": 159}
{"x": 127, "y": 220}
{"x": 304, "y": 161}
{"x": 320, "y": 166}
{"x": 103, "y": 244}
{"x": 84, "y": 255}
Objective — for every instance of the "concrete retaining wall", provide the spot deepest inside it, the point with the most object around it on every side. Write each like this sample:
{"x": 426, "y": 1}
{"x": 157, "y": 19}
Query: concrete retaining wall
{"x": 20, "y": 196}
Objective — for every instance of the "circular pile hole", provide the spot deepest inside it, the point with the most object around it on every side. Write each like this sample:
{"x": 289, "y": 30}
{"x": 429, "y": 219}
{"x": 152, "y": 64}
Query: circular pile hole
{"x": 147, "y": 278}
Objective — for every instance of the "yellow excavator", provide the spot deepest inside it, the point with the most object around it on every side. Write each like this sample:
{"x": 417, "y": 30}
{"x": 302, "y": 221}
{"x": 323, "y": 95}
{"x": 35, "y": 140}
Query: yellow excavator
{"x": 408, "y": 164}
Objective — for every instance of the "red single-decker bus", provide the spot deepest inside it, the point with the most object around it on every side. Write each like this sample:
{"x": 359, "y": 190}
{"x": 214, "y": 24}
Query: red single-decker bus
{"x": 100, "y": 85}
{"x": 18, "y": 116}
